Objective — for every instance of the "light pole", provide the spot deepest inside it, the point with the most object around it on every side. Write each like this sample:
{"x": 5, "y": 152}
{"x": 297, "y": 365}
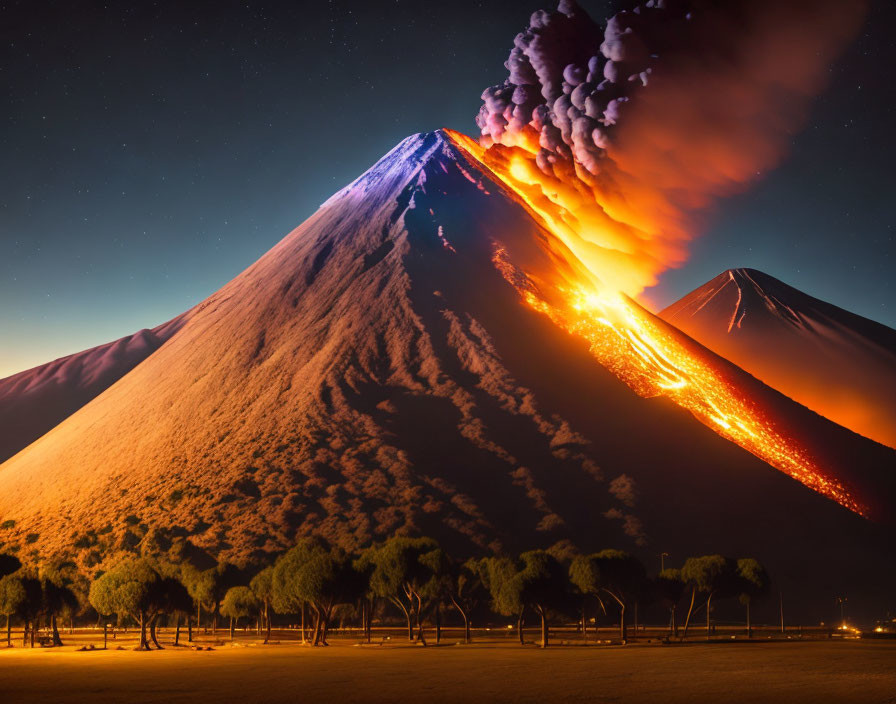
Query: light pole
{"x": 842, "y": 600}
{"x": 663, "y": 556}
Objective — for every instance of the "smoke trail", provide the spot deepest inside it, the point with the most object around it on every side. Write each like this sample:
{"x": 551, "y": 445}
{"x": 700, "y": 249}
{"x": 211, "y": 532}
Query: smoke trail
{"x": 635, "y": 130}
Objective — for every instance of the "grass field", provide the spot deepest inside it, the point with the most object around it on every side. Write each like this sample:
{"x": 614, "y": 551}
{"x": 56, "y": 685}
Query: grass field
{"x": 487, "y": 671}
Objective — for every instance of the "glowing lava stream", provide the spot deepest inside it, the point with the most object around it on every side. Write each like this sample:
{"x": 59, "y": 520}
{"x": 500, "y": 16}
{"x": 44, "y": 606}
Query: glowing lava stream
{"x": 633, "y": 344}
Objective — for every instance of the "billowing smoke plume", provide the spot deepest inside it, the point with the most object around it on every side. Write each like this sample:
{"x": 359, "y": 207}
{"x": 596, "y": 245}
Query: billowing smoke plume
{"x": 635, "y": 129}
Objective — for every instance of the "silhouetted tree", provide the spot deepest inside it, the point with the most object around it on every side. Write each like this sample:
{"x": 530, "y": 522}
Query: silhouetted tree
{"x": 12, "y": 601}
{"x": 537, "y": 580}
{"x": 670, "y": 588}
{"x": 711, "y": 575}
{"x": 752, "y": 583}
{"x": 130, "y": 588}
{"x": 465, "y": 588}
{"x": 622, "y": 578}
{"x": 174, "y": 600}
{"x": 406, "y": 572}
{"x": 238, "y": 602}
{"x": 314, "y": 574}
{"x": 262, "y": 585}
{"x": 56, "y": 596}
{"x": 584, "y": 576}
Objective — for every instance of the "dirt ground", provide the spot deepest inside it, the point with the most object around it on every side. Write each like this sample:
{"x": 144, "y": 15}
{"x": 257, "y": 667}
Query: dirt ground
{"x": 792, "y": 672}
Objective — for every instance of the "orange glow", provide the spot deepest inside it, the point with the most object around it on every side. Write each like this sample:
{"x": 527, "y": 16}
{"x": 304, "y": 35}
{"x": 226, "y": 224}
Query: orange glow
{"x": 590, "y": 297}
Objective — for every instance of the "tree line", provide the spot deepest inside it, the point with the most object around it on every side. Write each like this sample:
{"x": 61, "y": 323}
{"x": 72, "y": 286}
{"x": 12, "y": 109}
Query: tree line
{"x": 314, "y": 581}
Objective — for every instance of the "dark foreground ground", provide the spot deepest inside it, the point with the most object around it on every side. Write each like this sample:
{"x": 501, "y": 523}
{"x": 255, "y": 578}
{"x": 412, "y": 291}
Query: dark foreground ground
{"x": 792, "y": 672}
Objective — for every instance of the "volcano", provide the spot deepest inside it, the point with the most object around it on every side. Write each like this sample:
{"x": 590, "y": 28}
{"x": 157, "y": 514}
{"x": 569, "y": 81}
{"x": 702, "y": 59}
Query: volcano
{"x": 839, "y": 364}
{"x": 376, "y": 372}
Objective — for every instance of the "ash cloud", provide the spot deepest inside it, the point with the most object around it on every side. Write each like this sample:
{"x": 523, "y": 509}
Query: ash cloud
{"x": 672, "y": 104}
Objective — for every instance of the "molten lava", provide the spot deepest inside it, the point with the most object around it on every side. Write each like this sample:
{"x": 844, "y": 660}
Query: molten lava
{"x": 589, "y": 296}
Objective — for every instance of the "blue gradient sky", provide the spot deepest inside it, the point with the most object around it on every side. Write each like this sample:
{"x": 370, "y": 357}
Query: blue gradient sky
{"x": 150, "y": 154}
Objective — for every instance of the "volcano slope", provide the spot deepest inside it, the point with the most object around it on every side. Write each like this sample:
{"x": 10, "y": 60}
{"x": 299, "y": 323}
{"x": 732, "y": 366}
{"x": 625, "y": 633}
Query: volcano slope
{"x": 375, "y": 373}
{"x": 839, "y": 364}
{"x": 33, "y": 401}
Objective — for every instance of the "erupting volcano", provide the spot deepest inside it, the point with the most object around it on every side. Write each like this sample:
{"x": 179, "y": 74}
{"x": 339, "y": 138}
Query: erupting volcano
{"x": 455, "y": 344}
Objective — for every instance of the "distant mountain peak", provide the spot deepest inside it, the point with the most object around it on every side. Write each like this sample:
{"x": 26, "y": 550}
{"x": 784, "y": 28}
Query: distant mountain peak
{"x": 837, "y": 363}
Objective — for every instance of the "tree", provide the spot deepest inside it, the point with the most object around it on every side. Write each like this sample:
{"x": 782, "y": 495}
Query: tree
{"x": 670, "y": 588}
{"x": 262, "y": 585}
{"x": 12, "y": 601}
{"x": 359, "y": 592}
{"x": 537, "y": 581}
{"x": 712, "y": 575}
{"x": 56, "y": 596}
{"x": 584, "y": 576}
{"x": 174, "y": 599}
{"x": 498, "y": 575}
{"x": 752, "y": 583}
{"x": 622, "y": 578}
{"x": 208, "y": 587}
{"x": 199, "y": 584}
{"x": 465, "y": 589}
{"x": 406, "y": 572}
{"x": 130, "y": 588}
{"x": 311, "y": 573}
{"x": 238, "y": 602}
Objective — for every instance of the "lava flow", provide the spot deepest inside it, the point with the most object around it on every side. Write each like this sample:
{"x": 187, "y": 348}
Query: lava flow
{"x": 649, "y": 356}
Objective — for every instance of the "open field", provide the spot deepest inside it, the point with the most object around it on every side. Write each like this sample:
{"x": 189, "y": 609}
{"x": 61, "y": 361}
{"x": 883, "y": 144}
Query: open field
{"x": 489, "y": 671}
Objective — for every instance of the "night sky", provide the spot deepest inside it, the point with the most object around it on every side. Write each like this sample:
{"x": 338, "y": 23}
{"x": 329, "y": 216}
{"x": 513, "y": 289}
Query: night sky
{"x": 151, "y": 153}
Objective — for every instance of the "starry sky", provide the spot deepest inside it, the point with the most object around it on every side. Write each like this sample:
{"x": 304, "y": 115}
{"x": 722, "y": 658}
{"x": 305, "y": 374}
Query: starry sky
{"x": 151, "y": 151}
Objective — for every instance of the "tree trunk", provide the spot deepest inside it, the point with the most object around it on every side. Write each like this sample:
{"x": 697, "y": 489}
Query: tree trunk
{"x": 749, "y": 625}
{"x": 325, "y": 629}
{"x": 177, "y": 628}
{"x": 215, "y": 621}
{"x": 303, "y": 623}
{"x": 231, "y": 629}
{"x": 144, "y": 645}
{"x": 316, "y": 635}
{"x": 189, "y": 629}
{"x": 8, "y": 631}
{"x": 438, "y": 625}
{"x": 519, "y": 628}
{"x": 623, "y": 632}
{"x": 56, "y": 639}
{"x": 708, "y": 604}
{"x": 267, "y": 623}
{"x": 407, "y": 614}
{"x": 105, "y": 635}
{"x": 198, "y": 615}
{"x": 544, "y": 629}
{"x": 152, "y": 632}
{"x": 467, "y": 638}
{"x": 584, "y": 624}
{"x": 687, "y": 620}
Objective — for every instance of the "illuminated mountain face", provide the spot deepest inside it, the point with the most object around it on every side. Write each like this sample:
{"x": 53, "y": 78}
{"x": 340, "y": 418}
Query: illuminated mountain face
{"x": 839, "y": 364}
{"x": 380, "y": 370}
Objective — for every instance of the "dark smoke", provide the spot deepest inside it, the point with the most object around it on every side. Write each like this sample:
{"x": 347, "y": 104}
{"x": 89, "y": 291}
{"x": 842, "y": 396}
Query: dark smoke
{"x": 674, "y": 103}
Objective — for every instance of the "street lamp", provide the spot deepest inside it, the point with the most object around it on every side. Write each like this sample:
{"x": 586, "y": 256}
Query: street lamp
{"x": 663, "y": 556}
{"x": 842, "y": 600}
